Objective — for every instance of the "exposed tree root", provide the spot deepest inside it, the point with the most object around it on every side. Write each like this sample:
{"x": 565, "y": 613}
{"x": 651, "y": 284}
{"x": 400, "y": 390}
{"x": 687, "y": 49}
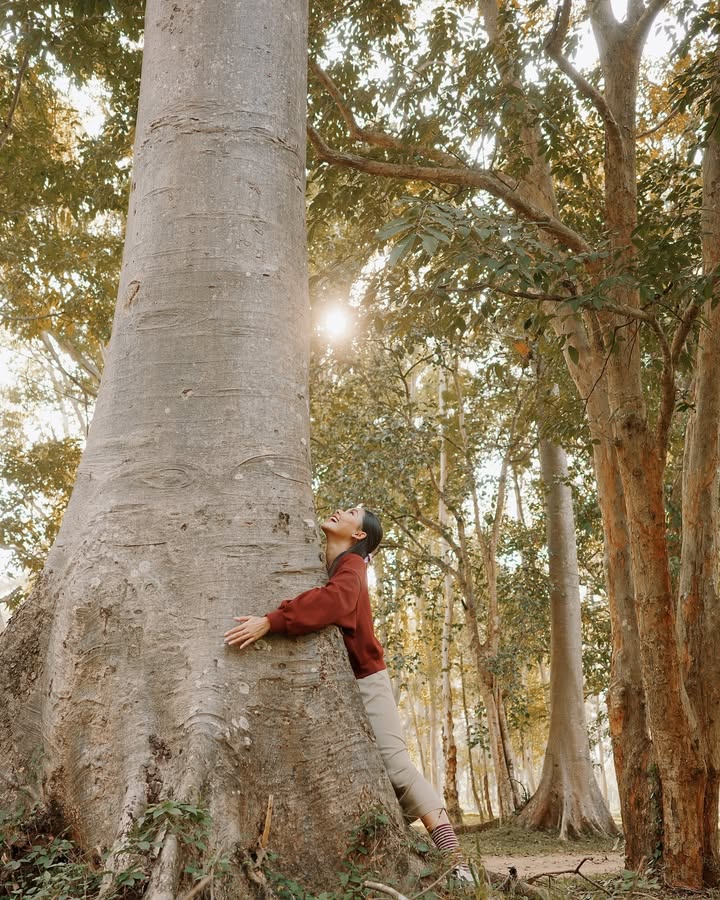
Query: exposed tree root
{"x": 118, "y": 858}
{"x": 571, "y": 810}
{"x": 165, "y": 877}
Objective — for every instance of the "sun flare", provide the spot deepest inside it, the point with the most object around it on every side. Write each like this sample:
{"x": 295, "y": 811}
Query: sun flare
{"x": 336, "y": 323}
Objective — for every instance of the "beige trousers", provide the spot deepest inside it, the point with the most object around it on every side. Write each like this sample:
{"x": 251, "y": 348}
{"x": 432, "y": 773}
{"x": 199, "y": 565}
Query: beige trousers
{"x": 416, "y": 796}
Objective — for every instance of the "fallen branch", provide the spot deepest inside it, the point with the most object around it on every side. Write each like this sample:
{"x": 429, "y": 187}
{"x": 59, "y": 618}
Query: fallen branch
{"x": 575, "y": 871}
{"x": 510, "y": 884}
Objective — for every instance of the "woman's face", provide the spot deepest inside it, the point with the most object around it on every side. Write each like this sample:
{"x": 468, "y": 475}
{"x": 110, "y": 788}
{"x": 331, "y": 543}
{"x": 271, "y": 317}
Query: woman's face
{"x": 345, "y": 524}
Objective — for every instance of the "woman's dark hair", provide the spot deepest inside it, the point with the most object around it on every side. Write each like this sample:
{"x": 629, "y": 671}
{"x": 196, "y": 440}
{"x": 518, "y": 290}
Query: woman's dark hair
{"x": 369, "y": 544}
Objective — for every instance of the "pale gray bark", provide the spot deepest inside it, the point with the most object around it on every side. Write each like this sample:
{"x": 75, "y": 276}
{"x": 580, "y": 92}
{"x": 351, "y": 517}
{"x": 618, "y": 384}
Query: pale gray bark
{"x": 450, "y": 790}
{"x": 568, "y": 797}
{"x": 193, "y": 500}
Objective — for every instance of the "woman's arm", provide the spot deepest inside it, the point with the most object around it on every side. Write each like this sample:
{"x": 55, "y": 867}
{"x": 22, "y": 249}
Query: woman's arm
{"x": 333, "y": 604}
{"x": 251, "y": 630}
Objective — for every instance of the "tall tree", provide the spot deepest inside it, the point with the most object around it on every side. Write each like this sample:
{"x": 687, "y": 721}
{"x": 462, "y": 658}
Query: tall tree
{"x": 605, "y": 277}
{"x": 193, "y": 499}
{"x": 568, "y": 797}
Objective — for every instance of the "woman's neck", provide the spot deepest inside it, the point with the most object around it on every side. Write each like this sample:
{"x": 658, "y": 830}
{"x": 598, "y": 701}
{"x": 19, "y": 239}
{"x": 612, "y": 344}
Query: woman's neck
{"x": 333, "y": 549}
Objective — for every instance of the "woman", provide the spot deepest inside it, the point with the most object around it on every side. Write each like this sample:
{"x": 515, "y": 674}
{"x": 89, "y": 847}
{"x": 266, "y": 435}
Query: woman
{"x": 353, "y": 535}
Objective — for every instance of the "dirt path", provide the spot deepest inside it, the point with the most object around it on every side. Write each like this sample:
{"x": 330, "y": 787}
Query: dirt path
{"x": 597, "y": 863}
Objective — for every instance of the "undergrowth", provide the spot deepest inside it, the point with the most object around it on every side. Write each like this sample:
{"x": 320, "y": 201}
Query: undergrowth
{"x": 38, "y": 861}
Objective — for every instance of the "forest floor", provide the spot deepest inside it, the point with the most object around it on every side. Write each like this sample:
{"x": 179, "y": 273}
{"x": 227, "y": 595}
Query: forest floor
{"x": 534, "y": 853}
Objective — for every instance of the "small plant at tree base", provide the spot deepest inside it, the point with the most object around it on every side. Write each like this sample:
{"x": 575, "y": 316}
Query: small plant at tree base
{"x": 189, "y": 823}
{"x": 36, "y": 862}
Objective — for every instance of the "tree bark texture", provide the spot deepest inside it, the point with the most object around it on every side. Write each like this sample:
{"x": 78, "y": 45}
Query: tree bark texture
{"x": 699, "y": 596}
{"x": 193, "y": 500}
{"x": 633, "y": 756}
{"x": 568, "y": 798}
{"x": 641, "y": 463}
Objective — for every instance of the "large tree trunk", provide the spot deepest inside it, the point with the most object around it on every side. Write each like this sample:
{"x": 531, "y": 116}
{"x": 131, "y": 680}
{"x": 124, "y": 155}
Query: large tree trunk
{"x": 699, "y": 596}
{"x": 568, "y": 797}
{"x": 633, "y": 756}
{"x": 641, "y": 458}
{"x": 193, "y": 499}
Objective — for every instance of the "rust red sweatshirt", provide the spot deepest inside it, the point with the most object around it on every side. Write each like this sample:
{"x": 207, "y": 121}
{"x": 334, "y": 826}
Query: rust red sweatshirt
{"x": 343, "y": 601}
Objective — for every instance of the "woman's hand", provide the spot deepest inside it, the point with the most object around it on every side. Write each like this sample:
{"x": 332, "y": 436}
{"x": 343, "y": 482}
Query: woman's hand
{"x": 251, "y": 630}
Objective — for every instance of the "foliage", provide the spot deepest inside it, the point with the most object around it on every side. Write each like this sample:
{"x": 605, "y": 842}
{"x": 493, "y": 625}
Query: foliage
{"x": 38, "y": 860}
{"x": 35, "y": 485}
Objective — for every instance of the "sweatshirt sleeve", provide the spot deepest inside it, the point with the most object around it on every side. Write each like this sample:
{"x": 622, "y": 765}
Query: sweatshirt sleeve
{"x": 334, "y": 604}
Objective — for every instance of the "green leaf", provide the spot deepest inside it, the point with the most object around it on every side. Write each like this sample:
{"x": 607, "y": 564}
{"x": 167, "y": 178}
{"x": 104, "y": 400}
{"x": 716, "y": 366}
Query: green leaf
{"x": 430, "y": 244}
{"x": 397, "y": 226}
{"x": 573, "y": 353}
{"x": 401, "y": 249}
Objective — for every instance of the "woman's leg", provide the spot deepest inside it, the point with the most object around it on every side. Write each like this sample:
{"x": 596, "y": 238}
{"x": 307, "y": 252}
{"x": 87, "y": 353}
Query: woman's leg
{"x": 418, "y": 799}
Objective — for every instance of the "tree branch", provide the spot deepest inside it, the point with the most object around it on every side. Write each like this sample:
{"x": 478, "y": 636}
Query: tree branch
{"x": 644, "y": 23}
{"x": 661, "y": 124}
{"x": 7, "y": 127}
{"x": 465, "y": 177}
{"x": 376, "y": 138}
{"x": 423, "y": 551}
{"x": 553, "y": 47}
{"x": 489, "y": 286}
{"x": 692, "y": 311}
{"x": 72, "y": 351}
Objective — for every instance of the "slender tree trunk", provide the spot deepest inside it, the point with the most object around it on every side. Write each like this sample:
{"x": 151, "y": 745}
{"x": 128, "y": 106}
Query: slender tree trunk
{"x": 450, "y": 791}
{"x": 419, "y": 739}
{"x": 507, "y": 744}
{"x": 528, "y": 764}
{"x": 486, "y": 786}
{"x": 567, "y": 797}
{"x": 468, "y": 740}
{"x": 601, "y": 752}
{"x": 193, "y": 499}
{"x": 488, "y": 685}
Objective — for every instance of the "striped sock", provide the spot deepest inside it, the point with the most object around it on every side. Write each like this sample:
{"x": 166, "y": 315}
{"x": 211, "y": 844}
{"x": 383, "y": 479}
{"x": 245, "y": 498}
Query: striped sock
{"x": 445, "y": 839}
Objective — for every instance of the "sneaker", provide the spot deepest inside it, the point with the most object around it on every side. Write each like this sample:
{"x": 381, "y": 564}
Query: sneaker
{"x": 463, "y": 873}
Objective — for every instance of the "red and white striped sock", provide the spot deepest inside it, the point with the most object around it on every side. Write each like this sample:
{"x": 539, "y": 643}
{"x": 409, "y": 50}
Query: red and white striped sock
{"x": 445, "y": 839}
